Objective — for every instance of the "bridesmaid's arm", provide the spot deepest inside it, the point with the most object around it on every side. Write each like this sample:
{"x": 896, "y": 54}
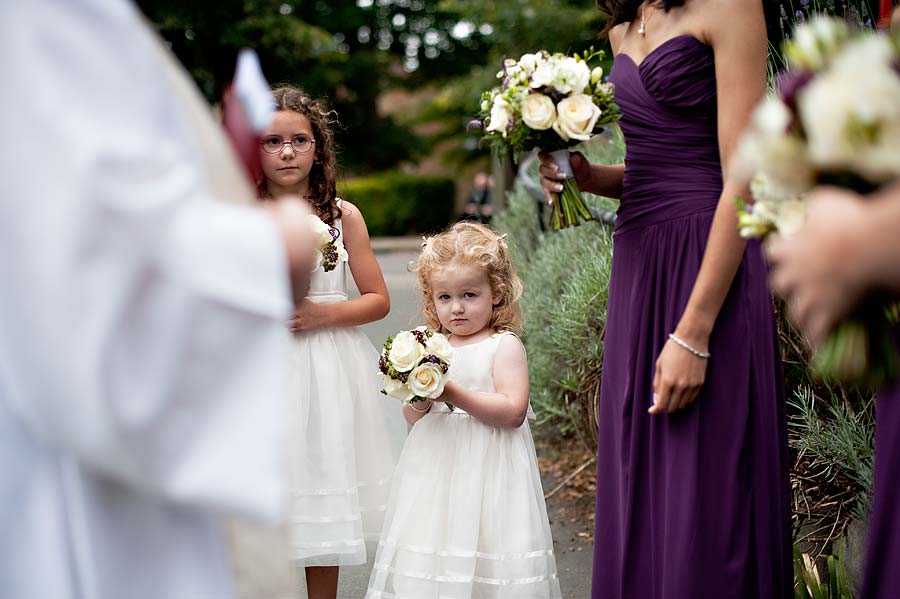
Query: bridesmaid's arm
{"x": 373, "y": 302}
{"x": 737, "y": 33}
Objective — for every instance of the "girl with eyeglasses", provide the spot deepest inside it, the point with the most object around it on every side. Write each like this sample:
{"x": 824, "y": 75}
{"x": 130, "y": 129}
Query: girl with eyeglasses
{"x": 343, "y": 428}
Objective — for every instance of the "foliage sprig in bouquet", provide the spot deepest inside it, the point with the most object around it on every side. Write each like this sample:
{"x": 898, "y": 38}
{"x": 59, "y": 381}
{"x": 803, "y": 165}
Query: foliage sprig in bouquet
{"x": 834, "y": 119}
{"x": 551, "y": 102}
{"x": 415, "y": 365}
{"x": 329, "y": 247}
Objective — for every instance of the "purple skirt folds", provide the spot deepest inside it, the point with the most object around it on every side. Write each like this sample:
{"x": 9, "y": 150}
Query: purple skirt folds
{"x": 882, "y": 571}
{"x": 696, "y": 504}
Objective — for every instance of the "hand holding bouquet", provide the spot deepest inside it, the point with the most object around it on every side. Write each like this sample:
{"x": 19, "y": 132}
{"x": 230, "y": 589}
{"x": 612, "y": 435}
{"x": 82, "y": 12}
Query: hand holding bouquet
{"x": 414, "y": 365}
{"x": 834, "y": 120}
{"x": 329, "y": 247}
{"x": 551, "y": 102}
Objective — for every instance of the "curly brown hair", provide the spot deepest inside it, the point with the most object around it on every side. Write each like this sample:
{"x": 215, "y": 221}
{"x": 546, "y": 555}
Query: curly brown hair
{"x": 467, "y": 243}
{"x": 323, "y": 176}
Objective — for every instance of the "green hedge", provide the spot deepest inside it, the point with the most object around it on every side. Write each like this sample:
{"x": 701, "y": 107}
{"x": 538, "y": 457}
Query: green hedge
{"x": 397, "y": 204}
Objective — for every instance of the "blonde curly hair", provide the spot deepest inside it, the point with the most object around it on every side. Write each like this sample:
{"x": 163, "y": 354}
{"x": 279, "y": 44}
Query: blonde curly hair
{"x": 468, "y": 243}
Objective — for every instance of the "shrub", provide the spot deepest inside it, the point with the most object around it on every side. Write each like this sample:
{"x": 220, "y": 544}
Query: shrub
{"x": 398, "y": 204}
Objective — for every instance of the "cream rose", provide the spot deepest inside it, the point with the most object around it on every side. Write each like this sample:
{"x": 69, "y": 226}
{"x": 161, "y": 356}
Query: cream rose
{"x": 405, "y": 352}
{"x": 538, "y": 112}
{"x": 427, "y": 380}
{"x": 576, "y": 117}
{"x": 396, "y": 389}
{"x": 439, "y": 346}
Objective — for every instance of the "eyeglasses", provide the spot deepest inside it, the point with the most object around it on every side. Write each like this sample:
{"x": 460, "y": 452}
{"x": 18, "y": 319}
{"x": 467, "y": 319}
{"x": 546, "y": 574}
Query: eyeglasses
{"x": 274, "y": 144}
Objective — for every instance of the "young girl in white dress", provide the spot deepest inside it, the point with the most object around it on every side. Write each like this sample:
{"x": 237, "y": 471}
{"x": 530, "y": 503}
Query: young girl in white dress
{"x": 466, "y": 517}
{"x": 344, "y": 430}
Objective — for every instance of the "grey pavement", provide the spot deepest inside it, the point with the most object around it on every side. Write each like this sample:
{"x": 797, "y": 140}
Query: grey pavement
{"x": 573, "y": 554}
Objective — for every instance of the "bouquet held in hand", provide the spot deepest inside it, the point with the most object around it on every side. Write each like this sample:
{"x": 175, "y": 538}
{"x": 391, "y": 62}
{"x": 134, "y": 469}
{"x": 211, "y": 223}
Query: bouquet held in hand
{"x": 329, "y": 247}
{"x": 834, "y": 120}
{"x": 551, "y": 102}
{"x": 414, "y": 365}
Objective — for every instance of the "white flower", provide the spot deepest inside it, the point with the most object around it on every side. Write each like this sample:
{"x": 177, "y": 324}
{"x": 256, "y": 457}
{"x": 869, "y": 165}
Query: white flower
{"x": 596, "y": 75}
{"x": 529, "y": 62}
{"x": 427, "y": 380}
{"x": 767, "y": 147}
{"x": 406, "y": 351}
{"x": 572, "y": 76}
{"x": 397, "y": 389}
{"x": 544, "y": 75}
{"x": 815, "y": 43}
{"x": 850, "y": 112}
{"x": 439, "y": 346}
{"x": 538, "y": 112}
{"x": 790, "y": 215}
{"x": 576, "y": 117}
{"x": 321, "y": 231}
{"x": 500, "y": 116}
{"x": 485, "y": 106}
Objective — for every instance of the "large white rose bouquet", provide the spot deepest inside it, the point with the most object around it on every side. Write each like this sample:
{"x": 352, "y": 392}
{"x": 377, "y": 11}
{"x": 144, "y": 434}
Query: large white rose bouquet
{"x": 834, "y": 119}
{"x": 329, "y": 247}
{"x": 551, "y": 102}
{"x": 414, "y": 365}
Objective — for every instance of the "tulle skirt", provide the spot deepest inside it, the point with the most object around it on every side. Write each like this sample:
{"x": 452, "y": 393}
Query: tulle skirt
{"x": 466, "y": 517}
{"x": 345, "y": 443}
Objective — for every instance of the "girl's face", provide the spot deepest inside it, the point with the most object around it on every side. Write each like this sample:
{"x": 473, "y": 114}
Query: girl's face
{"x": 286, "y": 166}
{"x": 463, "y": 298}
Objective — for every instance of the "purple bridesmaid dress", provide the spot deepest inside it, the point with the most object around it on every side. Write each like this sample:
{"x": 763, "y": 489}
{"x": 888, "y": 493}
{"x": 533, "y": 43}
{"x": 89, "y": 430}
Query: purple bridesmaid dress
{"x": 696, "y": 504}
{"x": 882, "y": 569}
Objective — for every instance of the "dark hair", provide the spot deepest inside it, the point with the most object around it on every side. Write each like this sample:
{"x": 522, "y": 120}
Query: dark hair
{"x": 323, "y": 176}
{"x": 625, "y": 11}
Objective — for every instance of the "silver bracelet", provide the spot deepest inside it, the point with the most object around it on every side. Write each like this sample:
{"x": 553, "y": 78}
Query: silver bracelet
{"x": 696, "y": 352}
{"x": 415, "y": 409}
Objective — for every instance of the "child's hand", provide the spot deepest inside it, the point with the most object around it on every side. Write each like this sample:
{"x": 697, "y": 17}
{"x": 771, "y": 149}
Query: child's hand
{"x": 308, "y": 316}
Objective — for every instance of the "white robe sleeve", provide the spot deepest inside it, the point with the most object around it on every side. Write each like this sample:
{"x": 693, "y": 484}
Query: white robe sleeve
{"x": 141, "y": 322}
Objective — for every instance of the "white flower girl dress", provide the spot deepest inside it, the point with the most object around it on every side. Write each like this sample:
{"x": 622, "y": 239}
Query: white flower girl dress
{"x": 346, "y": 437}
{"x": 466, "y": 517}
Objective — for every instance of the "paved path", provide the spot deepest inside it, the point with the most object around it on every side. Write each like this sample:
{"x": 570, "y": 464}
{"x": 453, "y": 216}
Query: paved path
{"x": 573, "y": 554}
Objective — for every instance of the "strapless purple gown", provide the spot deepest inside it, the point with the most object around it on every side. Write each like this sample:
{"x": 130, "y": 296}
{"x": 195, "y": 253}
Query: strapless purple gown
{"x": 696, "y": 504}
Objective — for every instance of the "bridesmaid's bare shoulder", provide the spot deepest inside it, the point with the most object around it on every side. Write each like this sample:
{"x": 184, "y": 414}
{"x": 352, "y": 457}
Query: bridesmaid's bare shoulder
{"x": 616, "y": 35}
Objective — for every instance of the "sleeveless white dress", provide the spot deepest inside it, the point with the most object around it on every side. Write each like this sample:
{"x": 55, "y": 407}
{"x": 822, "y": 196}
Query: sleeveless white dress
{"x": 466, "y": 517}
{"x": 346, "y": 437}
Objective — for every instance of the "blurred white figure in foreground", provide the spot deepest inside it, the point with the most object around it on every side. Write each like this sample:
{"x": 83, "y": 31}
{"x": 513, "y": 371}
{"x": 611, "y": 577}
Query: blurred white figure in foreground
{"x": 141, "y": 320}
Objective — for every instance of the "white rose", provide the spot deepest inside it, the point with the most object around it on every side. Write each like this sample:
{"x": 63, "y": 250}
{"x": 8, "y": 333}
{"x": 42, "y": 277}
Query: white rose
{"x": 439, "y": 346}
{"x": 850, "y": 112}
{"x": 538, "y": 112}
{"x": 321, "y": 231}
{"x": 596, "y": 75}
{"x": 500, "y": 116}
{"x": 396, "y": 389}
{"x": 406, "y": 351}
{"x": 572, "y": 76}
{"x": 427, "y": 380}
{"x": 576, "y": 117}
{"x": 544, "y": 75}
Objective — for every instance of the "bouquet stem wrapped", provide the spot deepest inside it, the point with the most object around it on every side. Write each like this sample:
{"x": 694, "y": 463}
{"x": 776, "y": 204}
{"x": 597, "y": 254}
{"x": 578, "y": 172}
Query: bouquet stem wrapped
{"x": 569, "y": 207}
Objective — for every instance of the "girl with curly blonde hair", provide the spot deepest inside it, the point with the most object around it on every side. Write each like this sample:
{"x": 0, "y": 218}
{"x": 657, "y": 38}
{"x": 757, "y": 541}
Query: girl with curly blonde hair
{"x": 467, "y": 516}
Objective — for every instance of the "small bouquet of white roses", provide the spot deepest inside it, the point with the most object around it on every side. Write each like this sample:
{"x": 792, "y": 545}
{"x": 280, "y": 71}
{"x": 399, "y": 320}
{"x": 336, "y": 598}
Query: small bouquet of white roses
{"x": 414, "y": 365}
{"x": 329, "y": 247}
{"x": 834, "y": 119}
{"x": 551, "y": 102}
